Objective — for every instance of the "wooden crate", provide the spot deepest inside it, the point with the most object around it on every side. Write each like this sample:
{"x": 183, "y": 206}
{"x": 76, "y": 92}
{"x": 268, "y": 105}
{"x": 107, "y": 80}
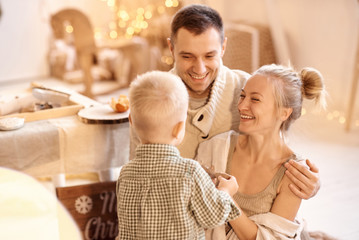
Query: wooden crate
{"x": 71, "y": 108}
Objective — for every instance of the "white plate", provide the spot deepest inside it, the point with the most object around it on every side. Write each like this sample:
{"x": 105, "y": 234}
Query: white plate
{"x": 11, "y": 123}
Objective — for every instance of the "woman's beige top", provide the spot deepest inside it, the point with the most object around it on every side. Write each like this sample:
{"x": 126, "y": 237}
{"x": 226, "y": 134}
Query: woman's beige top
{"x": 260, "y": 202}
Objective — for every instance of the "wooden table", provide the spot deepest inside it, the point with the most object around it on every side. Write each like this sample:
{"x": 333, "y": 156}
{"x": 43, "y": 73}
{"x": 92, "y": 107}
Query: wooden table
{"x": 66, "y": 145}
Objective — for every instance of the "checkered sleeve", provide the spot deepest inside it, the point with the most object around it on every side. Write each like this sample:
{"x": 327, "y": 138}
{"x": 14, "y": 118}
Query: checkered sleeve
{"x": 210, "y": 206}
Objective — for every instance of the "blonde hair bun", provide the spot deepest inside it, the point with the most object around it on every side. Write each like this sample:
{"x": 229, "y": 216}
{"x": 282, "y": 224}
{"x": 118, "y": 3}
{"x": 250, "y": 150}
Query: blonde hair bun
{"x": 313, "y": 85}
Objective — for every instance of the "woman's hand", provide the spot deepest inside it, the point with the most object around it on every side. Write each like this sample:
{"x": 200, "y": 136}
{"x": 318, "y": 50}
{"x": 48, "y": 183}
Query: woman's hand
{"x": 306, "y": 182}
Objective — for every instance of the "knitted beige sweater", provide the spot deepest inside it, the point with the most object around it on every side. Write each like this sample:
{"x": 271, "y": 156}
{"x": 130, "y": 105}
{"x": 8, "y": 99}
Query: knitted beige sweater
{"x": 219, "y": 115}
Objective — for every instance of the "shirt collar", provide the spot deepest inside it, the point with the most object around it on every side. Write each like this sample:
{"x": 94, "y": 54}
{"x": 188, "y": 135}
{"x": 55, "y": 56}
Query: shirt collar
{"x": 156, "y": 150}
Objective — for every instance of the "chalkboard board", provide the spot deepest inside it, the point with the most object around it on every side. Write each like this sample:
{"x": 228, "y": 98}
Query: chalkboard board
{"x": 93, "y": 207}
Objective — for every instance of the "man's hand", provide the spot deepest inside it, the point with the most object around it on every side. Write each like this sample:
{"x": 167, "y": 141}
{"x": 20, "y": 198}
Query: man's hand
{"x": 306, "y": 180}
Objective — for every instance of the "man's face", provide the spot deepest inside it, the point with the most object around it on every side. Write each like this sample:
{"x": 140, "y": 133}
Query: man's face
{"x": 197, "y": 59}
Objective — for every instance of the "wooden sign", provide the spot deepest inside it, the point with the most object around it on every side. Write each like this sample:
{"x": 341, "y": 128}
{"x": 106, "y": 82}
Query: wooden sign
{"x": 93, "y": 207}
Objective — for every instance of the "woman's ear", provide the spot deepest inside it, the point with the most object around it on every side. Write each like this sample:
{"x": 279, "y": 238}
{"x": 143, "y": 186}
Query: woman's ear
{"x": 177, "y": 129}
{"x": 285, "y": 113}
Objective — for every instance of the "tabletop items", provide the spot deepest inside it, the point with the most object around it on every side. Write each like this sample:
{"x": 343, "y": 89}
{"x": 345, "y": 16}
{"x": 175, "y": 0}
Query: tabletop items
{"x": 121, "y": 104}
{"x": 54, "y": 143}
{"x": 11, "y": 123}
{"x": 102, "y": 114}
{"x": 82, "y": 135}
{"x": 43, "y": 103}
{"x": 38, "y": 103}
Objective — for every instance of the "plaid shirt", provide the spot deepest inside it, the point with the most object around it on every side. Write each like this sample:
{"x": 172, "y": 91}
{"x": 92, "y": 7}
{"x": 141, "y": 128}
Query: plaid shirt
{"x": 161, "y": 195}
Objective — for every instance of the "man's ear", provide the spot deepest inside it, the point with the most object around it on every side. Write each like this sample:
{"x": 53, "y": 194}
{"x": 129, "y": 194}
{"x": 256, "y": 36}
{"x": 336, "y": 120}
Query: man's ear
{"x": 285, "y": 113}
{"x": 170, "y": 45}
{"x": 224, "y": 45}
{"x": 177, "y": 129}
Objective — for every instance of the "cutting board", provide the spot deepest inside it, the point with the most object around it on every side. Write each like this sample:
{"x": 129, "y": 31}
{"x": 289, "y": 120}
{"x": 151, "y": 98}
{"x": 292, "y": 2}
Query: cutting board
{"x": 102, "y": 114}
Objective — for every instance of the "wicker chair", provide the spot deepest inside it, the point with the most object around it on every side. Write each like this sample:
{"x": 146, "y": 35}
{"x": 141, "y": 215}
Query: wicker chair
{"x": 248, "y": 47}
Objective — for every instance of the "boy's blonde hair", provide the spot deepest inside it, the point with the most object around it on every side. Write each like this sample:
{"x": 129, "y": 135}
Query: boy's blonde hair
{"x": 158, "y": 101}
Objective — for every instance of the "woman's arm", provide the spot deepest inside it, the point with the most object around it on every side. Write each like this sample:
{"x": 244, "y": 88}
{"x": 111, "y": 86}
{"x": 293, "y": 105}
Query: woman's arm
{"x": 305, "y": 181}
{"x": 286, "y": 204}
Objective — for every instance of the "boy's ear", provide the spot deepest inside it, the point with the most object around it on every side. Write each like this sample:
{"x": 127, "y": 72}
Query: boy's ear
{"x": 129, "y": 118}
{"x": 177, "y": 129}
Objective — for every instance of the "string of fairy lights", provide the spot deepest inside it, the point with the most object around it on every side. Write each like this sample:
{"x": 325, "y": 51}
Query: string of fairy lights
{"x": 128, "y": 21}
{"x": 337, "y": 117}
{"x": 341, "y": 119}
{"x": 130, "y": 18}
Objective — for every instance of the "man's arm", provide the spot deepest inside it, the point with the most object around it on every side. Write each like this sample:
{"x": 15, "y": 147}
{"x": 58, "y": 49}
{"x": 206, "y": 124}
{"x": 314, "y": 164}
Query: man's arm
{"x": 306, "y": 181}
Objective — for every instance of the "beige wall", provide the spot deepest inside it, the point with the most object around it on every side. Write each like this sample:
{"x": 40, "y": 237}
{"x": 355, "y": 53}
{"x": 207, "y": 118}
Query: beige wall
{"x": 320, "y": 33}
{"x": 25, "y": 34}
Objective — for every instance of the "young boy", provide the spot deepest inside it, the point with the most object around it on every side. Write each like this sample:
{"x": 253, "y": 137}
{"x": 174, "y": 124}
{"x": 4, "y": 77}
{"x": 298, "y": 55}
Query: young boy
{"x": 161, "y": 195}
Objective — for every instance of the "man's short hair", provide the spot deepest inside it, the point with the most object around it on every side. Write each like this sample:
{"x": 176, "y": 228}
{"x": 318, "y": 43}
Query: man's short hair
{"x": 196, "y": 19}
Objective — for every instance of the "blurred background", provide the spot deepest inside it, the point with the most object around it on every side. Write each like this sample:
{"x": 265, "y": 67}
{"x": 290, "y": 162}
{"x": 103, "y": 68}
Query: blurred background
{"x": 322, "y": 34}
{"x": 111, "y": 41}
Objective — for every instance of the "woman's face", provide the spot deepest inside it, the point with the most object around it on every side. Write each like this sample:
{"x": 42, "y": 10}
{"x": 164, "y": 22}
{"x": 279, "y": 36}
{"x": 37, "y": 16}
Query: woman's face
{"x": 257, "y": 107}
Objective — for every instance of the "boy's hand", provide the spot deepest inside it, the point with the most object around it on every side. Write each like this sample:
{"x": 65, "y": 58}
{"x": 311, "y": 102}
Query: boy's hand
{"x": 306, "y": 182}
{"x": 214, "y": 175}
{"x": 228, "y": 185}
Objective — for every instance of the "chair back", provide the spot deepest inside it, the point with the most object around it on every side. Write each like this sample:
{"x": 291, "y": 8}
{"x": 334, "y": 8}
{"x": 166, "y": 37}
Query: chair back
{"x": 248, "y": 47}
{"x": 82, "y": 28}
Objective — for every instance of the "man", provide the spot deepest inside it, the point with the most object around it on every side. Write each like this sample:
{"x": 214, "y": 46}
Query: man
{"x": 197, "y": 45}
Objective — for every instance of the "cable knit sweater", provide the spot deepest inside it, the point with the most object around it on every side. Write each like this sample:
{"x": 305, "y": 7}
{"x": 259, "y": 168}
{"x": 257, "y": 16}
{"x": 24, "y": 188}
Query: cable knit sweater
{"x": 219, "y": 115}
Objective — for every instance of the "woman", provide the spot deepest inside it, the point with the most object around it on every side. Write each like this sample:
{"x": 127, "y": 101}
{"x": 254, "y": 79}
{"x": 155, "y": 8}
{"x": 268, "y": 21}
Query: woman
{"x": 270, "y": 102}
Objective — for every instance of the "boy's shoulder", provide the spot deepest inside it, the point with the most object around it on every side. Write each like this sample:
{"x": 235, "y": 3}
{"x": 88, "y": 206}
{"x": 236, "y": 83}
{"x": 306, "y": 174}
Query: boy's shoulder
{"x": 188, "y": 163}
{"x": 191, "y": 162}
{"x": 171, "y": 167}
{"x": 125, "y": 168}
{"x": 193, "y": 166}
